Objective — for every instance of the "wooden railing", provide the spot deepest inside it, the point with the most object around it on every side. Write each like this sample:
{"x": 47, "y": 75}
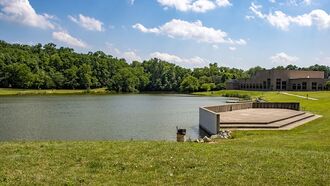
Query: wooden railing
{"x": 277, "y": 105}
{"x": 231, "y": 107}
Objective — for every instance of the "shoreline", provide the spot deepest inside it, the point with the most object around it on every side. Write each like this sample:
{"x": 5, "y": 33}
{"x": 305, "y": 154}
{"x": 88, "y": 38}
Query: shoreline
{"x": 59, "y": 92}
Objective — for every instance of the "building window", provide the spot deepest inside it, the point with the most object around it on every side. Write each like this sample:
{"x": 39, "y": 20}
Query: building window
{"x": 314, "y": 84}
{"x": 257, "y": 86}
{"x": 320, "y": 87}
{"x": 284, "y": 85}
{"x": 304, "y": 85}
{"x": 268, "y": 83}
{"x": 278, "y": 84}
{"x": 294, "y": 86}
{"x": 299, "y": 86}
{"x": 264, "y": 85}
{"x": 254, "y": 85}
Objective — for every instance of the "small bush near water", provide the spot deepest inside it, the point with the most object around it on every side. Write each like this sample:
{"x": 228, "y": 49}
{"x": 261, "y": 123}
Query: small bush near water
{"x": 241, "y": 96}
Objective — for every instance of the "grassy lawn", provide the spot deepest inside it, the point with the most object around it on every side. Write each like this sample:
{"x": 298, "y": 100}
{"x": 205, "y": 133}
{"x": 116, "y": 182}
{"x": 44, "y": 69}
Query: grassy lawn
{"x": 300, "y": 157}
{"x": 12, "y": 92}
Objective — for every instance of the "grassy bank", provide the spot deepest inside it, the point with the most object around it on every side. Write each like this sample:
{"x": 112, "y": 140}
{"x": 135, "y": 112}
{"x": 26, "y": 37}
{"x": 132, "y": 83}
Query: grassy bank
{"x": 13, "y": 92}
{"x": 300, "y": 157}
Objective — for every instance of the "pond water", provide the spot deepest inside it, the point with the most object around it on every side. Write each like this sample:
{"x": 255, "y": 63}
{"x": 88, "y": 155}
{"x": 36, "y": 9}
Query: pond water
{"x": 89, "y": 117}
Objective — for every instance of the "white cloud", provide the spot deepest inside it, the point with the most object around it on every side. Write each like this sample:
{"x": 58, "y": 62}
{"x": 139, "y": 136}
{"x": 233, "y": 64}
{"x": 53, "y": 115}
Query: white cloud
{"x": 177, "y": 28}
{"x": 131, "y": 56}
{"x": 308, "y": 2}
{"x": 232, "y": 48}
{"x": 128, "y": 55}
{"x": 283, "y": 59}
{"x": 298, "y": 2}
{"x": 185, "y": 62}
{"x": 131, "y": 2}
{"x": 282, "y": 21}
{"x": 142, "y": 28}
{"x": 322, "y": 59}
{"x": 194, "y": 5}
{"x": 249, "y": 17}
{"x": 68, "y": 39}
{"x": 240, "y": 42}
{"x": 21, "y": 11}
{"x": 223, "y": 3}
{"x": 88, "y": 23}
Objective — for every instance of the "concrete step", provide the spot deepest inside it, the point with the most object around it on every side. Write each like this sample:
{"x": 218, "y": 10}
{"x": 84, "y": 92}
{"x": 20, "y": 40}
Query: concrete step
{"x": 273, "y": 125}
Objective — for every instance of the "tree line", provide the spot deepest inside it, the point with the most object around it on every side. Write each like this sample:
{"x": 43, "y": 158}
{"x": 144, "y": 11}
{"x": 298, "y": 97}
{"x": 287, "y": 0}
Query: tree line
{"x": 48, "y": 67}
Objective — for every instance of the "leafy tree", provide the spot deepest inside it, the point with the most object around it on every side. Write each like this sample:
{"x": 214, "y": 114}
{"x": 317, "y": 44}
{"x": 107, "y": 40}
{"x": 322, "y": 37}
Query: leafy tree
{"x": 71, "y": 77}
{"x": 19, "y": 75}
{"x": 207, "y": 86}
{"x": 252, "y": 71}
{"x": 125, "y": 81}
{"x": 189, "y": 84}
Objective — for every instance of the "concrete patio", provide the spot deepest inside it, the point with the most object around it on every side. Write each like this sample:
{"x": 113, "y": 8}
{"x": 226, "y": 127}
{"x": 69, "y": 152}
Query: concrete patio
{"x": 253, "y": 116}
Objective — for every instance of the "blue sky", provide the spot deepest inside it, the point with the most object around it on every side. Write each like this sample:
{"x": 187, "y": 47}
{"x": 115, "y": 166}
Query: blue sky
{"x": 190, "y": 33}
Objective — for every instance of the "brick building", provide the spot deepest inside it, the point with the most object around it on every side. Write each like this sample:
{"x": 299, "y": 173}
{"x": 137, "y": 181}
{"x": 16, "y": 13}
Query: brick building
{"x": 295, "y": 80}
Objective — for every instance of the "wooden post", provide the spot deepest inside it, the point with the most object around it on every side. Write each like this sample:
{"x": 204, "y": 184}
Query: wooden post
{"x": 180, "y": 135}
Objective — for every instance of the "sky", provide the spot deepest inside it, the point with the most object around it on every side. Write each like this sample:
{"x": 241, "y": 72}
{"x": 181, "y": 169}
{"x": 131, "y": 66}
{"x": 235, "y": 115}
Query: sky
{"x": 190, "y": 33}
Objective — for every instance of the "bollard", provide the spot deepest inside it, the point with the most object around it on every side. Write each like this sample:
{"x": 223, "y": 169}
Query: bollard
{"x": 180, "y": 135}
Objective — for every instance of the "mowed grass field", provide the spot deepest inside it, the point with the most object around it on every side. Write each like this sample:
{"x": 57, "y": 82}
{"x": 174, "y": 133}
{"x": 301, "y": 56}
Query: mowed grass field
{"x": 297, "y": 157}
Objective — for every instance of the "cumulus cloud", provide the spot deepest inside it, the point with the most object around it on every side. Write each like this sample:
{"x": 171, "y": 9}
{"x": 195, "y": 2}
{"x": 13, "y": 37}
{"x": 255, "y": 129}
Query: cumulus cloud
{"x": 185, "y": 62}
{"x": 232, "y": 48}
{"x": 177, "y": 28}
{"x": 194, "y": 5}
{"x": 88, "y": 23}
{"x": 21, "y": 11}
{"x": 223, "y": 3}
{"x": 129, "y": 56}
{"x": 283, "y": 21}
{"x": 283, "y": 59}
{"x": 68, "y": 39}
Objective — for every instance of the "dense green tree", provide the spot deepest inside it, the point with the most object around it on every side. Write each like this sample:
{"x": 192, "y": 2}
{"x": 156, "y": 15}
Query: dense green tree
{"x": 19, "y": 75}
{"x": 189, "y": 84}
{"x": 125, "y": 81}
{"x": 207, "y": 86}
{"x": 46, "y": 66}
{"x": 252, "y": 71}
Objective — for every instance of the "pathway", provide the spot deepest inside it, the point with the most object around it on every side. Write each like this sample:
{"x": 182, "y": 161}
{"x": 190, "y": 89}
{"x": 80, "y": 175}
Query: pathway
{"x": 285, "y": 93}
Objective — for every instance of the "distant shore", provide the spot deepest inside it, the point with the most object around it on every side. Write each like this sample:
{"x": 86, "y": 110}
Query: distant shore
{"x": 21, "y": 92}
{"x": 98, "y": 91}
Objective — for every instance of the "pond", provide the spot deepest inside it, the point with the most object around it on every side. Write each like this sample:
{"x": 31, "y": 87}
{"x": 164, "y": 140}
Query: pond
{"x": 90, "y": 117}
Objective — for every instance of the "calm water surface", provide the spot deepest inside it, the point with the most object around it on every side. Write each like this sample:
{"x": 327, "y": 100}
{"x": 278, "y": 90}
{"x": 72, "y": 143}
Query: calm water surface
{"x": 87, "y": 117}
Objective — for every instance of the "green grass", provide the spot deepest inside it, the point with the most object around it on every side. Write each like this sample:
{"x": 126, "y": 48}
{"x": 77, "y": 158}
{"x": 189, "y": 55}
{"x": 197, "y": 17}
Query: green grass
{"x": 297, "y": 157}
{"x": 13, "y": 92}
